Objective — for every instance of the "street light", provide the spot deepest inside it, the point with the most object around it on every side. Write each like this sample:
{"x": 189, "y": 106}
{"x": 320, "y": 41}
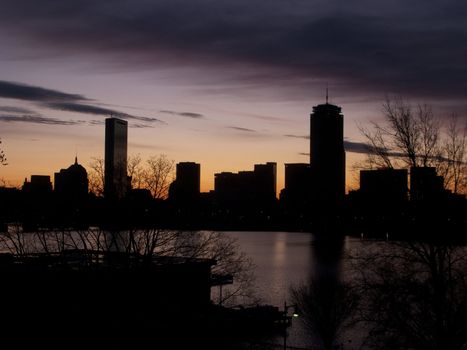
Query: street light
{"x": 288, "y": 319}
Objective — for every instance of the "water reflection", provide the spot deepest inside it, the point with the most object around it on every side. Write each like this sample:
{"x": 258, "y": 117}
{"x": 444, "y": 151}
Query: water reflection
{"x": 326, "y": 303}
{"x": 358, "y": 293}
{"x": 306, "y": 269}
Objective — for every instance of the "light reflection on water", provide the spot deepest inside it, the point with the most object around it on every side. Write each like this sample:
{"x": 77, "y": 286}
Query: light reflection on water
{"x": 286, "y": 259}
{"x": 281, "y": 259}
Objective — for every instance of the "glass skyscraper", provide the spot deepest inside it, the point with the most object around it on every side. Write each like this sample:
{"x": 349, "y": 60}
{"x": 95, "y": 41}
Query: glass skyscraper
{"x": 116, "y": 146}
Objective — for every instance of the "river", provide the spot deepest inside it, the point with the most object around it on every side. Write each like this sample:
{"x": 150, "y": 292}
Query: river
{"x": 288, "y": 259}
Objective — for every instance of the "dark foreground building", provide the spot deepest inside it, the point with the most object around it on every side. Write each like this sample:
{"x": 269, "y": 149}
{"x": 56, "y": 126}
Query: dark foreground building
{"x": 101, "y": 299}
{"x": 85, "y": 299}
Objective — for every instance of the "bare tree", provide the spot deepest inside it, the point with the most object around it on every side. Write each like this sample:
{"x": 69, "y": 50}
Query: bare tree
{"x": 135, "y": 171}
{"x": 14, "y": 240}
{"x": 378, "y": 150}
{"x": 414, "y": 295}
{"x": 158, "y": 175}
{"x": 96, "y": 176}
{"x": 455, "y": 150}
{"x": 428, "y": 149}
{"x": 2, "y": 157}
{"x": 407, "y": 135}
{"x": 145, "y": 244}
{"x": 326, "y": 309}
{"x": 414, "y": 137}
{"x": 230, "y": 261}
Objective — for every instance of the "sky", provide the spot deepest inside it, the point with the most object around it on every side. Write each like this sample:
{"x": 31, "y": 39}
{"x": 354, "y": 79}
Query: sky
{"x": 227, "y": 84}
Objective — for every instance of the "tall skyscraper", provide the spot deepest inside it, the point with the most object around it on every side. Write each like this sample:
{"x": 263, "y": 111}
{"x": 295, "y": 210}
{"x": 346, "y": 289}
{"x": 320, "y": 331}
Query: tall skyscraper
{"x": 327, "y": 155}
{"x": 116, "y": 145}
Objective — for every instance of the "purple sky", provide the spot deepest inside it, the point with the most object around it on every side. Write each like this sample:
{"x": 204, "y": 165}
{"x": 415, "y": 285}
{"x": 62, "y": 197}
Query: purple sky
{"x": 224, "y": 83}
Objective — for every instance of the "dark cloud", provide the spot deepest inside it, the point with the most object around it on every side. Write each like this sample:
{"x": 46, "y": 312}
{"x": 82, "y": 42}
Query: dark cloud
{"x": 349, "y": 146}
{"x": 20, "y": 91}
{"x": 184, "y": 114}
{"x": 191, "y": 115}
{"x": 96, "y": 122}
{"x": 140, "y": 126}
{"x": 89, "y": 109}
{"x": 364, "y": 148}
{"x": 58, "y": 100}
{"x": 298, "y": 136}
{"x": 146, "y": 146}
{"x": 356, "y": 147}
{"x": 240, "y": 129}
{"x": 19, "y": 110}
{"x": 411, "y": 47}
{"x": 37, "y": 119}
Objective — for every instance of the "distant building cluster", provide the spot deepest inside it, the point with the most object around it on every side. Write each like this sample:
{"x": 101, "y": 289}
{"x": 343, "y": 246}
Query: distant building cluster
{"x": 314, "y": 192}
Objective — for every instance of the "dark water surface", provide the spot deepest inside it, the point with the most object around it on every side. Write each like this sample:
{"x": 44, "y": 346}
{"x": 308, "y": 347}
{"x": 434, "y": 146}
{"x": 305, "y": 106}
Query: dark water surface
{"x": 287, "y": 259}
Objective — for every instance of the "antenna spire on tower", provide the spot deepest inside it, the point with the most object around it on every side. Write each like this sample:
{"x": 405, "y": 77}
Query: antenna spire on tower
{"x": 327, "y": 94}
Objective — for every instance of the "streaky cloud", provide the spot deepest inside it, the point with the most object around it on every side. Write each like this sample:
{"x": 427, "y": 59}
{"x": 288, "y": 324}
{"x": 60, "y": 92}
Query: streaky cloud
{"x": 364, "y": 148}
{"x": 19, "y": 91}
{"x": 191, "y": 115}
{"x": 37, "y": 119}
{"x": 145, "y": 146}
{"x": 140, "y": 126}
{"x": 349, "y": 146}
{"x": 19, "y": 110}
{"x": 298, "y": 136}
{"x": 240, "y": 129}
{"x": 357, "y": 147}
{"x": 91, "y": 109}
{"x": 96, "y": 122}
{"x": 184, "y": 114}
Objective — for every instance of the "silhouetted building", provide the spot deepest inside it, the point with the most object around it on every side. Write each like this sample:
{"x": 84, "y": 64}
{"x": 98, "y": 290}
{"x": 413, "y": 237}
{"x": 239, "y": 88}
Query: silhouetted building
{"x": 39, "y": 185}
{"x": 247, "y": 188}
{"x": 72, "y": 183}
{"x": 266, "y": 179}
{"x": 295, "y": 197}
{"x": 232, "y": 188}
{"x": 298, "y": 179}
{"x": 425, "y": 184}
{"x": 37, "y": 202}
{"x": 10, "y": 206}
{"x": 327, "y": 155}
{"x": 186, "y": 187}
{"x": 384, "y": 187}
{"x": 116, "y": 139}
{"x": 120, "y": 287}
{"x": 71, "y": 197}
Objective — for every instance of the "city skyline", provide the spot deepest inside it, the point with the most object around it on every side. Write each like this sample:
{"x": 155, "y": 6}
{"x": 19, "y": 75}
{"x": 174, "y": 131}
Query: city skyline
{"x": 207, "y": 83}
